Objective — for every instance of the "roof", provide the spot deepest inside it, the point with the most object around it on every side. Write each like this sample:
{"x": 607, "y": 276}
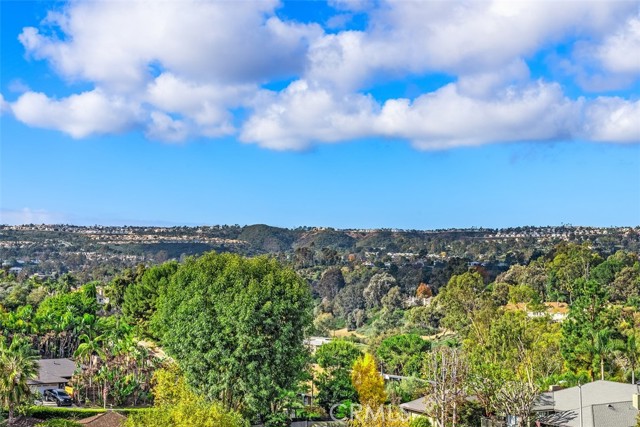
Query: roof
{"x": 54, "y": 371}
{"x": 616, "y": 414}
{"x": 418, "y": 406}
{"x": 551, "y": 307}
{"x": 604, "y": 404}
{"x": 107, "y": 419}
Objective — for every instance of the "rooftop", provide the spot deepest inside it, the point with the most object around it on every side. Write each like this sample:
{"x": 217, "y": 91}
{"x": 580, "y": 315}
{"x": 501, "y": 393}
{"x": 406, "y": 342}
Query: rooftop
{"x": 53, "y": 371}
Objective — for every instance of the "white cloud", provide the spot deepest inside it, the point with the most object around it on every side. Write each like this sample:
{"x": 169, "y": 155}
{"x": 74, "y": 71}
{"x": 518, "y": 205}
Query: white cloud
{"x": 78, "y": 115}
{"x": 468, "y": 37}
{"x": 179, "y": 69}
{"x": 448, "y": 118}
{"x": 620, "y": 52}
{"x": 613, "y": 120}
{"x": 445, "y": 118}
{"x": 206, "y": 106}
{"x": 115, "y": 42}
{"x": 165, "y": 128}
{"x": 301, "y": 115}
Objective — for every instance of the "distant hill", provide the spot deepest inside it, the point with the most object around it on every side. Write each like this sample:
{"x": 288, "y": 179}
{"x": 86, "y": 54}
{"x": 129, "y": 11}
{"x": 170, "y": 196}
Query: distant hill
{"x": 47, "y": 249}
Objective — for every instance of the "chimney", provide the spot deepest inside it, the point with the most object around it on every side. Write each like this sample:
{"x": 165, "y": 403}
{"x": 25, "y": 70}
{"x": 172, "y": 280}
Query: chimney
{"x": 636, "y": 401}
{"x": 556, "y": 387}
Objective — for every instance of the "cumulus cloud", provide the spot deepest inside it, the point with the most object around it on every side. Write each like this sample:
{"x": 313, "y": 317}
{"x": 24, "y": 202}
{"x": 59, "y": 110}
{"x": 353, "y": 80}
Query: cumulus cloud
{"x": 407, "y": 37}
{"x": 80, "y": 115}
{"x": 448, "y": 118}
{"x": 116, "y": 42}
{"x": 181, "y": 69}
{"x": 613, "y": 119}
{"x": 442, "y": 119}
{"x": 620, "y": 52}
{"x": 304, "y": 114}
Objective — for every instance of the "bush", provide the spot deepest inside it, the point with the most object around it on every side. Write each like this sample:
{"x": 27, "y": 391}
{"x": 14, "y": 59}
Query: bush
{"x": 47, "y": 413}
{"x": 420, "y": 422}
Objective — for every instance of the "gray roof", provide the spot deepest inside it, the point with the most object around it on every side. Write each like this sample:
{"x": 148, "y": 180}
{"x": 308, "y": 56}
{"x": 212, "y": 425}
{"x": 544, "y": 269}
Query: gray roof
{"x": 54, "y": 371}
{"x": 418, "y": 406}
{"x": 604, "y": 404}
{"x": 615, "y": 414}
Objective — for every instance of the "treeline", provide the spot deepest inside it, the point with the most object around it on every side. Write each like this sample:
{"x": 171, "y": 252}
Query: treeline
{"x": 235, "y": 329}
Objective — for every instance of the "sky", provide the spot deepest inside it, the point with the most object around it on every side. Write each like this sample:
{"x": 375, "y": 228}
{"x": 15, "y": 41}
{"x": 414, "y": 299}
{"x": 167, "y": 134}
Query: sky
{"x": 347, "y": 114}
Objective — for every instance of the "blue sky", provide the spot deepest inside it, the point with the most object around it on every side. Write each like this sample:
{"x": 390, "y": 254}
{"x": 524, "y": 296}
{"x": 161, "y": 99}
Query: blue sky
{"x": 344, "y": 114}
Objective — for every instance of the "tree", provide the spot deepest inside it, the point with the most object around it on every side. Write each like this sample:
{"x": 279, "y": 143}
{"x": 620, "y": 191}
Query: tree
{"x": 17, "y": 366}
{"x": 334, "y": 383}
{"x": 378, "y": 287}
{"x": 402, "y": 354}
{"x": 587, "y": 315}
{"x": 393, "y": 300}
{"x": 236, "y": 327}
{"x": 324, "y": 323}
{"x": 177, "y": 405}
{"x": 517, "y": 398}
{"x": 371, "y": 393}
{"x": 447, "y": 371}
{"x": 330, "y": 283}
{"x": 350, "y": 299}
{"x": 424, "y": 291}
{"x": 629, "y": 355}
{"x": 368, "y": 382}
{"x": 571, "y": 263}
{"x": 140, "y": 297}
{"x": 462, "y": 301}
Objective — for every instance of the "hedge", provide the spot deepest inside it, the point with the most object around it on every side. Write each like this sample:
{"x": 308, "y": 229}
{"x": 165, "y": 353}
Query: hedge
{"x": 46, "y": 412}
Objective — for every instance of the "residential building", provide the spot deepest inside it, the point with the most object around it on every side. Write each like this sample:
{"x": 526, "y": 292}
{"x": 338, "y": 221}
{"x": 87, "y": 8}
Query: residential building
{"x": 52, "y": 373}
{"x": 595, "y": 404}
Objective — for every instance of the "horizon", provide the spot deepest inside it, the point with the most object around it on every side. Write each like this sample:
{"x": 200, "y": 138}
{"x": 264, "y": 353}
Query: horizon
{"x": 320, "y": 227}
{"x": 346, "y": 114}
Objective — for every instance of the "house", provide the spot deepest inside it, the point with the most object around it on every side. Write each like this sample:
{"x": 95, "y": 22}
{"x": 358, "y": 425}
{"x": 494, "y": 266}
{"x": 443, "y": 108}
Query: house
{"x": 107, "y": 419}
{"x": 313, "y": 343}
{"x": 415, "y": 408}
{"x": 595, "y": 404}
{"x": 557, "y": 310}
{"x": 52, "y": 373}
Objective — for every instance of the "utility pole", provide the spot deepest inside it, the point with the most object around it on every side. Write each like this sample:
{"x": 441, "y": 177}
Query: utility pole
{"x": 580, "y": 390}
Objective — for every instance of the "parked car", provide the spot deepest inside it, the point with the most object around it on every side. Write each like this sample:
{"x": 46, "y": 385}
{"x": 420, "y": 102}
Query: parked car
{"x": 59, "y": 396}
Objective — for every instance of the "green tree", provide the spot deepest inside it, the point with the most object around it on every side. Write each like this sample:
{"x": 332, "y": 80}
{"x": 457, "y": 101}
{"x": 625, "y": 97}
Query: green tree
{"x": 334, "y": 383}
{"x": 582, "y": 347}
{"x": 177, "y": 405}
{"x": 402, "y": 354}
{"x": 378, "y": 287}
{"x": 465, "y": 301}
{"x": 236, "y": 327}
{"x": 140, "y": 297}
{"x": 330, "y": 283}
{"x": 17, "y": 366}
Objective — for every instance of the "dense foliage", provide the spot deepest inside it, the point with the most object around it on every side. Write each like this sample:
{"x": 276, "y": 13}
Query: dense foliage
{"x": 236, "y": 326}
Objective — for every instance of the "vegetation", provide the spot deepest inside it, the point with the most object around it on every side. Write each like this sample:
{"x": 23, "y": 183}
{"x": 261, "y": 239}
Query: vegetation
{"x": 177, "y": 405}
{"x": 237, "y": 326}
{"x": 17, "y": 366}
{"x": 449, "y": 315}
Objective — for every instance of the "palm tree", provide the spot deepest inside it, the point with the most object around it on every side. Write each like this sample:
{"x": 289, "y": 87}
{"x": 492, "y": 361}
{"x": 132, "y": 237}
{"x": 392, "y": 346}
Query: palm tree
{"x": 89, "y": 350}
{"x": 604, "y": 345}
{"x": 18, "y": 364}
{"x": 630, "y": 355}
